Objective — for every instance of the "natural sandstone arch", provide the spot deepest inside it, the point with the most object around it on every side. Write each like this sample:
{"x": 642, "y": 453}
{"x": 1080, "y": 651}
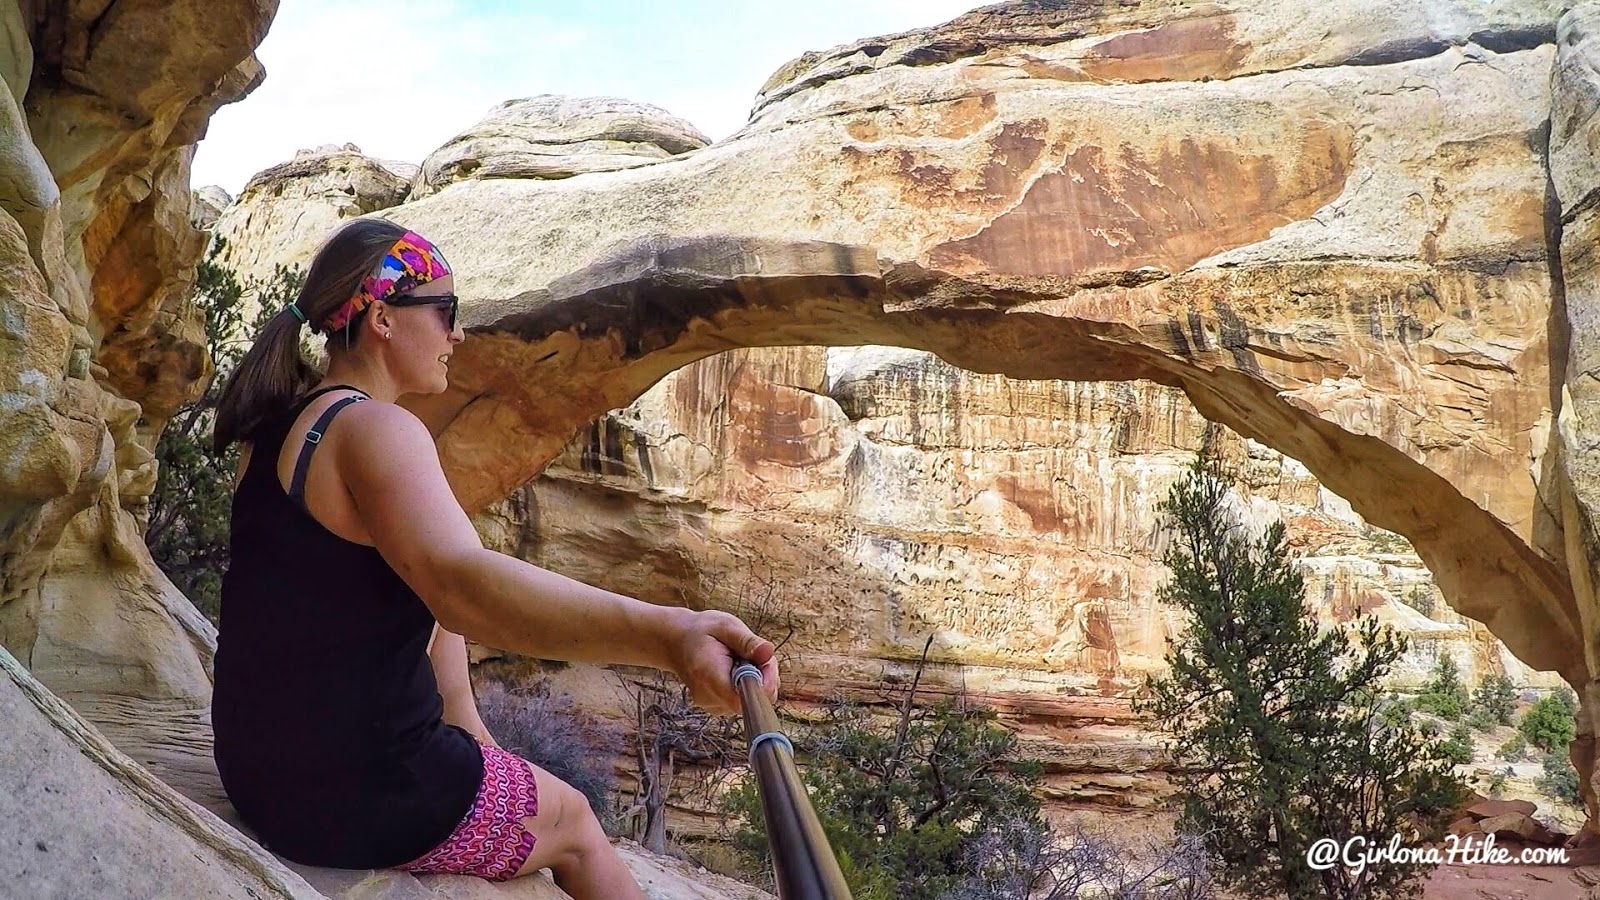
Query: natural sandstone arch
{"x": 608, "y": 332}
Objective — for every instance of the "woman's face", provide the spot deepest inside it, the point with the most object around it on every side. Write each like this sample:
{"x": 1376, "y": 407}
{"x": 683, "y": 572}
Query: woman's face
{"x": 421, "y": 339}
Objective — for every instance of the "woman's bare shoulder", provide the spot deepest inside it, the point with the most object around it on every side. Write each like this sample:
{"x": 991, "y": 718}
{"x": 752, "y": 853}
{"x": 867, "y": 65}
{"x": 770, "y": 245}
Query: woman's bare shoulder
{"x": 388, "y": 437}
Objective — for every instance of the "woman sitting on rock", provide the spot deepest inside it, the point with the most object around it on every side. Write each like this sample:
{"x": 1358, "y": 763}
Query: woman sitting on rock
{"x": 346, "y": 730}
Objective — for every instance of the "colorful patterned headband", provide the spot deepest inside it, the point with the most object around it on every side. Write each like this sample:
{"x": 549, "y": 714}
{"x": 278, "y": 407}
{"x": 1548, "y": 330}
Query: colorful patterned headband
{"x": 412, "y": 261}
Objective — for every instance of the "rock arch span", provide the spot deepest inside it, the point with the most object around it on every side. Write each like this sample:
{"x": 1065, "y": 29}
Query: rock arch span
{"x": 607, "y": 332}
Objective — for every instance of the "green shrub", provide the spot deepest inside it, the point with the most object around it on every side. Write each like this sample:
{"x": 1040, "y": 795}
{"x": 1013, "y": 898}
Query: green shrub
{"x": 1481, "y": 721}
{"x": 1395, "y": 712}
{"x": 1560, "y": 779}
{"x": 1272, "y": 718}
{"x": 1458, "y": 747}
{"x": 547, "y": 730}
{"x": 1552, "y": 723}
{"x": 187, "y": 521}
{"x": 1444, "y": 695}
{"x": 905, "y": 800}
{"x": 1495, "y": 700}
{"x": 1421, "y": 599}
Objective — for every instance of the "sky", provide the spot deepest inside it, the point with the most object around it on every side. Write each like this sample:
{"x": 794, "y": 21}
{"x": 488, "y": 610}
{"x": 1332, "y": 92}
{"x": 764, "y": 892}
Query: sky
{"x": 399, "y": 78}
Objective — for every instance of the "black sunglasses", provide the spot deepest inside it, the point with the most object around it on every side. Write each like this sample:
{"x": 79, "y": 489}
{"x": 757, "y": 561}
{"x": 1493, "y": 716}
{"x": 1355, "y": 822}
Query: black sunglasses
{"x": 450, "y": 300}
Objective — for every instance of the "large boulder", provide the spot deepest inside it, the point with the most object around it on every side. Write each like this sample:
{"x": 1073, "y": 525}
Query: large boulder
{"x": 78, "y": 818}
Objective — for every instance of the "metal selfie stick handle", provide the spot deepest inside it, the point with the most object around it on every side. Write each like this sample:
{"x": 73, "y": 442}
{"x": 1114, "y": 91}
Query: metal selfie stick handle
{"x": 802, "y": 860}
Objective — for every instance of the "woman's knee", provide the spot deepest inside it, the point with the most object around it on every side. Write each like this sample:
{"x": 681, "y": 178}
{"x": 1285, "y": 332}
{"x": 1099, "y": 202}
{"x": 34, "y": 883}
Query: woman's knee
{"x": 565, "y": 829}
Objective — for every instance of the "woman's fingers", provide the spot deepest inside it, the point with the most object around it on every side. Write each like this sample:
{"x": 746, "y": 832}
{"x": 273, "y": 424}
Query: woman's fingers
{"x": 738, "y": 637}
{"x": 733, "y": 640}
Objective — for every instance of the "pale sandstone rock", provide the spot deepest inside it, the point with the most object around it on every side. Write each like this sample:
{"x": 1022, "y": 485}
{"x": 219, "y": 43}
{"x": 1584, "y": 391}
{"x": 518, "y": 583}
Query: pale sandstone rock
{"x": 1491, "y": 808}
{"x": 1143, "y": 41}
{"x": 1014, "y": 520}
{"x": 80, "y": 819}
{"x": 101, "y": 253}
{"x": 209, "y": 202}
{"x": 1520, "y": 826}
{"x": 661, "y": 878}
{"x": 1574, "y": 134}
{"x": 60, "y": 777}
{"x": 553, "y": 137}
{"x": 298, "y": 203}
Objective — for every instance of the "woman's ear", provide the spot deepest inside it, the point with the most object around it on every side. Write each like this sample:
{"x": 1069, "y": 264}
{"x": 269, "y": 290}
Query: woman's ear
{"x": 378, "y": 320}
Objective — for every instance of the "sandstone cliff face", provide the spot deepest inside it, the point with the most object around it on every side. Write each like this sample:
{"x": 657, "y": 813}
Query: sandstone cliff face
{"x": 1574, "y": 136}
{"x": 102, "y": 112}
{"x": 1340, "y": 251}
{"x": 1362, "y": 293}
{"x": 867, "y": 499}
{"x": 882, "y": 496}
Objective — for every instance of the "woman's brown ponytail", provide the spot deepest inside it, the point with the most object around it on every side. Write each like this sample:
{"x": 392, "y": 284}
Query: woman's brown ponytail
{"x": 273, "y": 374}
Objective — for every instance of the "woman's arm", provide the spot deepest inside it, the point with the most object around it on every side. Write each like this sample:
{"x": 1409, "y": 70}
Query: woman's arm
{"x": 448, "y": 651}
{"x": 388, "y": 462}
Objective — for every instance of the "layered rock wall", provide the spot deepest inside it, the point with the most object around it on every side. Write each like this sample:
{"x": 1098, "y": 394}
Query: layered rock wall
{"x": 102, "y": 344}
{"x": 881, "y": 496}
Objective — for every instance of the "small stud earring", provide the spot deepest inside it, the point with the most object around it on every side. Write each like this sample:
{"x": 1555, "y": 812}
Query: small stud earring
{"x": 387, "y": 335}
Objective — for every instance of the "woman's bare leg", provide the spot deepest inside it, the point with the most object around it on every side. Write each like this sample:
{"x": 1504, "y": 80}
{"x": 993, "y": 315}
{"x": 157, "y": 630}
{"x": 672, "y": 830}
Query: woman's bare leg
{"x": 571, "y": 844}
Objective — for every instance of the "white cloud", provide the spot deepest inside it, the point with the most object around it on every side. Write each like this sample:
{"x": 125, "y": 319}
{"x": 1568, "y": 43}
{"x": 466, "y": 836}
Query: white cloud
{"x": 399, "y": 78}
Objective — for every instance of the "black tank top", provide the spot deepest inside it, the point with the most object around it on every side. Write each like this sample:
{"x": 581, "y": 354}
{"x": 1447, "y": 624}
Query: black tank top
{"x": 329, "y": 737}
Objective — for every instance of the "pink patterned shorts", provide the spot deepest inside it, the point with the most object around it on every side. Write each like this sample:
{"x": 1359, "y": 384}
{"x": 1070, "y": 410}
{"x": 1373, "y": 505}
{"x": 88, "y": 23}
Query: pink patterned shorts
{"x": 491, "y": 841}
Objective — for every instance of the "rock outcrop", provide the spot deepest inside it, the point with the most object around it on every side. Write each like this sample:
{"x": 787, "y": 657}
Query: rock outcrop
{"x": 1343, "y": 256}
{"x": 1574, "y": 139}
{"x": 101, "y": 344}
{"x": 555, "y": 137}
{"x": 58, "y": 774}
{"x": 298, "y": 203}
{"x": 209, "y": 202}
{"x": 1362, "y": 325}
{"x": 881, "y": 495}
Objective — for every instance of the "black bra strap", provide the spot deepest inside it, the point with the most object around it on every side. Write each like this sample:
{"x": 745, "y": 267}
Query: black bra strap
{"x": 297, "y": 487}
{"x": 305, "y": 401}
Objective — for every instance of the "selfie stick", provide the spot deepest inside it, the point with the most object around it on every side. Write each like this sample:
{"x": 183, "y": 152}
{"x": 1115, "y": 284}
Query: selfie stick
{"x": 802, "y": 861}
